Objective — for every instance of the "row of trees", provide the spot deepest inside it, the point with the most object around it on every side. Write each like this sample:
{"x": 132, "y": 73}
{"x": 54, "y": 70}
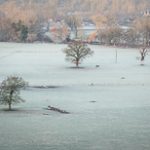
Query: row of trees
{"x": 110, "y": 32}
{"x": 31, "y": 15}
{"x": 117, "y": 8}
{"x": 107, "y": 33}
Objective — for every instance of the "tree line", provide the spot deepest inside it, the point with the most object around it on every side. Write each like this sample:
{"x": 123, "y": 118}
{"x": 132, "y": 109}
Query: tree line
{"x": 23, "y": 21}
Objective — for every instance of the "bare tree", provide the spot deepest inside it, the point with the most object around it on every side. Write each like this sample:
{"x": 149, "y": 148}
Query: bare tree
{"x": 74, "y": 21}
{"x": 142, "y": 25}
{"x": 10, "y": 91}
{"x": 77, "y": 51}
{"x": 131, "y": 37}
{"x": 143, "y": 53}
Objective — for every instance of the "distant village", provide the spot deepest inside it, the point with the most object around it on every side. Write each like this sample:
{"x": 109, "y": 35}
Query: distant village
{"x": 58, "y": 31}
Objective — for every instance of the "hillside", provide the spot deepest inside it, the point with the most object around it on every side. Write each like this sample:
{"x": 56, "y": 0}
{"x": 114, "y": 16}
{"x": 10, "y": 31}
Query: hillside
{"x": 35, "y": 13}
{"x": 94, "y": 6}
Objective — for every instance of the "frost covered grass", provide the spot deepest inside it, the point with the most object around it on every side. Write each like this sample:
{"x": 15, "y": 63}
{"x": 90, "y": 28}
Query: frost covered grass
{"x": 117, "y": 120}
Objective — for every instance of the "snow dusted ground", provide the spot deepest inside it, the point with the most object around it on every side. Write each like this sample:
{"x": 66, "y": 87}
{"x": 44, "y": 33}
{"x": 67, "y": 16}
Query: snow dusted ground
{"x": 118, "y": 120}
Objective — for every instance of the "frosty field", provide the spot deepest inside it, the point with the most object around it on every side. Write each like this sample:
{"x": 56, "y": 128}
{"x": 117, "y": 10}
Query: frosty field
{"x": 118, "y": 120}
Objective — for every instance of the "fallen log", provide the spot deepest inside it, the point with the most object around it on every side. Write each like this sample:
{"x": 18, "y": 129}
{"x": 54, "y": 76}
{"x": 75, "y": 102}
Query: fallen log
{"x": 57, "y": 110}
{"x": 44, "y": 87}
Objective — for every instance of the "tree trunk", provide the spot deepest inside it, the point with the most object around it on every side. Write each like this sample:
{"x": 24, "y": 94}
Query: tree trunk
{"x": 9, "y": 106}
{"x": 76, "y": 31}
{"x": 10, "y": 99}
{"x": 142, "y": 58}
{"x": 77, "y": 63}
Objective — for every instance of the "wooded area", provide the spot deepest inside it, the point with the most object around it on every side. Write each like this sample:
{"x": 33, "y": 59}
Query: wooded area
{"x": 42, "y": 20}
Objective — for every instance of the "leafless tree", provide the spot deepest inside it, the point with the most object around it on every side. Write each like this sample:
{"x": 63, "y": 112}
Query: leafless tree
{"x": 143, "y": 53}
{"x": 10, "y": 91}
{"x": 74, "y": 21}
{"x": 77, "y": 51}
